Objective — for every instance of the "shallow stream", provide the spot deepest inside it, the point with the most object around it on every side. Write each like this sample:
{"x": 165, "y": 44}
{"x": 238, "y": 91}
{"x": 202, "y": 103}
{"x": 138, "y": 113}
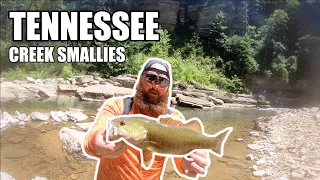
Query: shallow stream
{"x": 29, "y": 152}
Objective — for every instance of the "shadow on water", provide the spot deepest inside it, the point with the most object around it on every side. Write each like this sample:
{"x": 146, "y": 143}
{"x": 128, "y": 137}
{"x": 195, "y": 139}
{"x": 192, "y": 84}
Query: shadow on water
{"x": 29, "y": 152}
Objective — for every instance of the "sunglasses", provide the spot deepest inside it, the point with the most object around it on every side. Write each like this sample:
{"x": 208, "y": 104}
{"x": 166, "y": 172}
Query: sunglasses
{"x": 163, "y": 82}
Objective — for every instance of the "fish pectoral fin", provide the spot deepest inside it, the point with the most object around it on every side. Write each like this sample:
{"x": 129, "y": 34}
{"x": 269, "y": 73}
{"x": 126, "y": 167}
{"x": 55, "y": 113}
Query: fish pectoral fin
{"x": 148, "y": 158}
{"x": 152, "y": 146}
{"x": 194, "y": 125}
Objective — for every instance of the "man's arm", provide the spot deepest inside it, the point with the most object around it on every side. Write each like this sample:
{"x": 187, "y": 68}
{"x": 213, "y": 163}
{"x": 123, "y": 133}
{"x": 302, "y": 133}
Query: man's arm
{"x": 94, "y": 143}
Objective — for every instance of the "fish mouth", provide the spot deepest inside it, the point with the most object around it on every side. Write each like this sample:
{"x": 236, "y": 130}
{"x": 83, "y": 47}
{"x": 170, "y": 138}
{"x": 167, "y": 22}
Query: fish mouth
{"x": 113, "y": 133}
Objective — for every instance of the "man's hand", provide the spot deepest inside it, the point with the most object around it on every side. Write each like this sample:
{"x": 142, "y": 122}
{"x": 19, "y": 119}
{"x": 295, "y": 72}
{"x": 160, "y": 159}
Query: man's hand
{"x": 199, "y": 164}
{"x": 109, "y": 150}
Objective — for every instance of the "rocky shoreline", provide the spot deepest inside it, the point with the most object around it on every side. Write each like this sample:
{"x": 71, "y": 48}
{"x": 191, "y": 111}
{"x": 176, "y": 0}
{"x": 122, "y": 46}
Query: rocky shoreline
{"x": 289, "y": 148}
{"x": 89, "y": 88}
{"x": 285, "y": 146}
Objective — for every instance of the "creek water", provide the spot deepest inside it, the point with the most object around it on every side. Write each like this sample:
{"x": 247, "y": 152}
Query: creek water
{"x": 29, "y": 152}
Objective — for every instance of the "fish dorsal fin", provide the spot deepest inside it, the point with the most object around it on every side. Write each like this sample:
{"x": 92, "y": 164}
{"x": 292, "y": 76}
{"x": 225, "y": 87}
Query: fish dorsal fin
{"x": 194, "y": 125}
{"x": 169, "y": 120}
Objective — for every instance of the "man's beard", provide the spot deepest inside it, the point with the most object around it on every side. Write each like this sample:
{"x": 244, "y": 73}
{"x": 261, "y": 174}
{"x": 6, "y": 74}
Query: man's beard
{"x": 154, "y": 105}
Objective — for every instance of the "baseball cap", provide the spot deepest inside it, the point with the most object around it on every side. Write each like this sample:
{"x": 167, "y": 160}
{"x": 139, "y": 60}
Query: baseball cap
{"x": 152, "y": 61}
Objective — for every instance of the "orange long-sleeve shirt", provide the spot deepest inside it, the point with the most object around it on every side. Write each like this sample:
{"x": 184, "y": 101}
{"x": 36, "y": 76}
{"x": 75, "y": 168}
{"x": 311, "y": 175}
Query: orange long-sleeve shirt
{"x": 126, "y": 166}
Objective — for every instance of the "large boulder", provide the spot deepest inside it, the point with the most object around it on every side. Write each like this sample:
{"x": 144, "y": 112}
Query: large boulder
{"x": 39, "y": 116}
{"x": 185, "y": 101}
{"x": 84, "y": 126}
{"x": 102, "y": 92}
{"x": 83, "y": 79}
{"x": 6, "y": 95}
{"x": 124, "y": 80}
{"x": 71, "y": 141}
{"x": 10, "y": 90}
{"x": 45, "y": 93}
{"x": 67, "y": 88}
{"x": 215, "y": 100}
{"x": 76, "y": 116}
{"x": 6, "y": 120}
{"x": 6, "y": 176}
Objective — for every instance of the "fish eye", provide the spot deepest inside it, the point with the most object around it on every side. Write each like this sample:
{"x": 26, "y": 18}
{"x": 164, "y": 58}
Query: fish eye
{"x": 122, "y": 123}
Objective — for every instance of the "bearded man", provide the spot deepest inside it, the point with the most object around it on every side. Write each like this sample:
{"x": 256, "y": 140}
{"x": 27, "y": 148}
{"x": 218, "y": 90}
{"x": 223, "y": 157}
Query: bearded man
{"x": 120, "y": 161}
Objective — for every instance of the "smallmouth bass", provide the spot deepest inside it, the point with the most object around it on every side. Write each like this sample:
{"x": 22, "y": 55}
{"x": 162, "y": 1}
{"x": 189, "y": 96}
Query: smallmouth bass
{"x": 165, "y": 136}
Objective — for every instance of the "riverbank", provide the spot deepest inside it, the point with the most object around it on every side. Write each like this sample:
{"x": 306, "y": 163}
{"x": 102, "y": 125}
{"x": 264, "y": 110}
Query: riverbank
{"x": 289, "y": 148}
{"x": 89, "y": 88}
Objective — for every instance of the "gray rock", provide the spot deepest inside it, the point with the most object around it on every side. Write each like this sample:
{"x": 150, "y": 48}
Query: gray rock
{"x": 99, "y": 79}
{"x": 46, "y": 93}
{"x": 94, "y": 82}
{"x": 7, "y": 120}
{"x": 260, "y": 126}
{"x": 84, "y": 126}
{"x": 39, "y": 116}
{"x": 283, "y": 178}
{"x": 6, "y": 176}
{"x": 255, "y": 146}
{"x": 85, "y": 85}
{"x": 72, "y": 140}
{"x": 21, "y": 117}
{"x": 101, "y": 92}
{"x": 254, "y": 167}
{"x": 185, "y": 101}
{"x": 31, "y": 80}
{"x": 297, "y": 176}
{"x": 260, "y": 173}
{"x": 84, "y": 79}
{"x": 40, "y": 178}
{"x": 58, "y": 116}
{"x": 215, "y": 100}
{"x": 124, "y": 80}
{"x": 173, "y": 101}
{"x": 239, "y": 139}
{"x": 22, "y": 95}
{"x": 72, "y": 81}
{"x": 6, "y": 95}
{"x": 316, "y": 117}
{"x": 253, "y": 133}
{"x": 250, "y": 157}
{"x": 76, "y": 116}
{"x": 22, "y": 124}
{"x": 67, "y": 88}
{"x": 314, "y": 109}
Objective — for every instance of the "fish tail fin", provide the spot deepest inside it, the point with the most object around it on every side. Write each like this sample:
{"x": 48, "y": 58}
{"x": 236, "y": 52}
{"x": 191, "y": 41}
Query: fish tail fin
{"x": 221, "y": 138}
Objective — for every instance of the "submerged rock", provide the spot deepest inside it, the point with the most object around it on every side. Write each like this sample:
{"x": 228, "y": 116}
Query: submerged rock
{"x": 260, "y": 173}
{"x": 84, "y": 126}
{"x": 39, "y": 116}
{"x": 255, "y": 146}
{"x": 253, "y": 133}
{"x": 40, "y": 178}
{"x": 58, "y": 116}
{"x": 6, "y": 176}
{"x": 72, "y": 140}
{"x": 250, "y": 157}
{"x": 76, "y": 116}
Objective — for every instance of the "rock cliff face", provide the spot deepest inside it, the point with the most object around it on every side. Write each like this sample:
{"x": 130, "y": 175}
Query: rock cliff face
{"x": 179, "y": 16}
